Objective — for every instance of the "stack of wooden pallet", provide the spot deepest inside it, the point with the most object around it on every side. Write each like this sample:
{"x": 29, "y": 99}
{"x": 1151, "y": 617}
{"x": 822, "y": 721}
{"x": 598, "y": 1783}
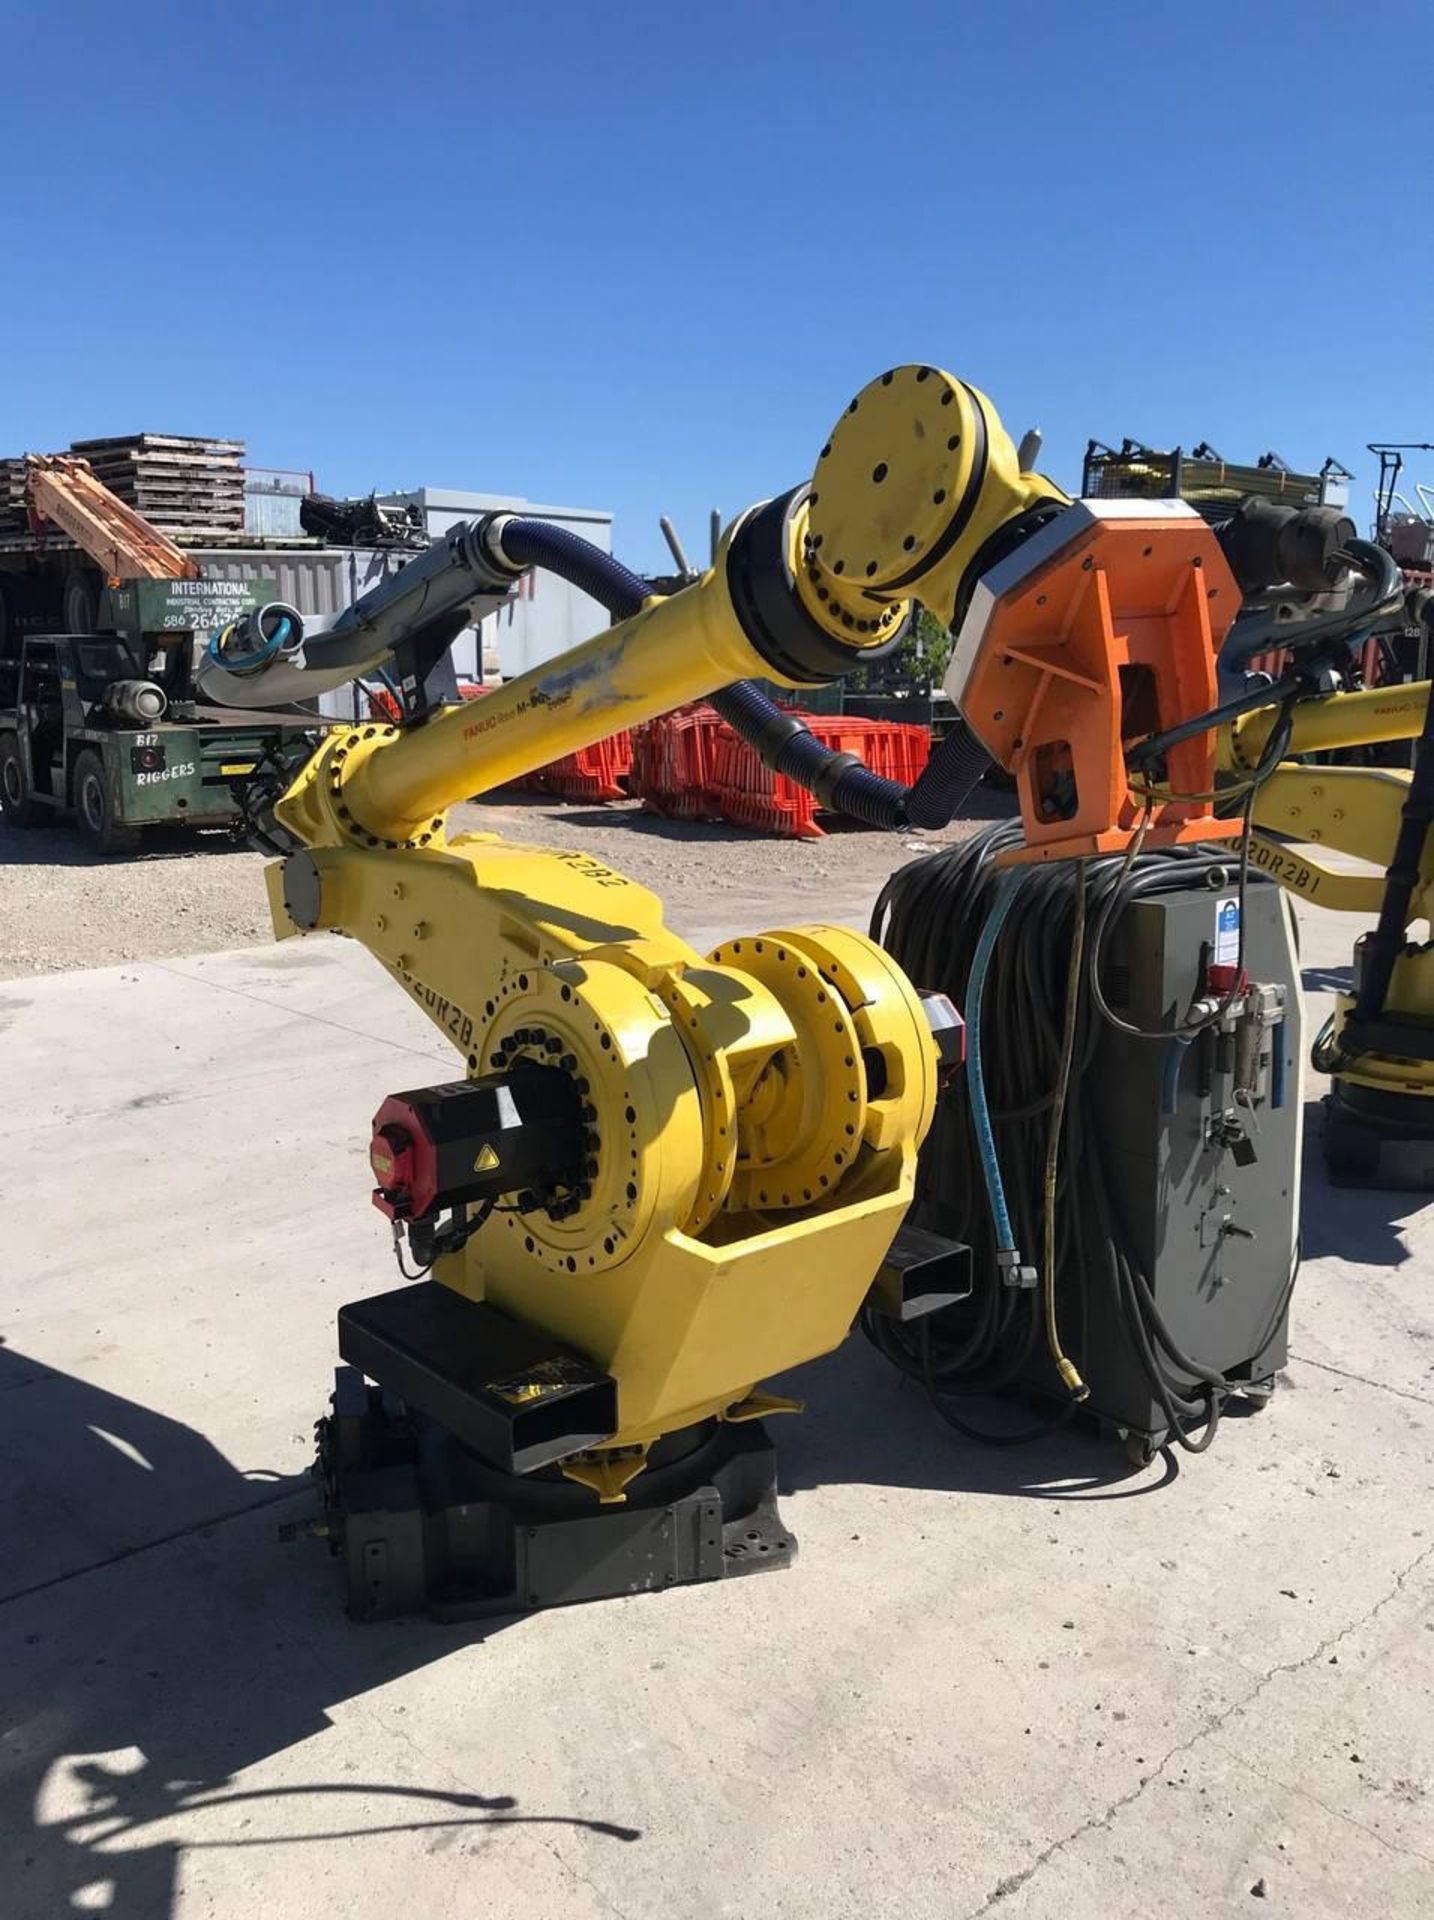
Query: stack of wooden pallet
{"x": 178, "y": 483}
{"x": 12, "y": 496}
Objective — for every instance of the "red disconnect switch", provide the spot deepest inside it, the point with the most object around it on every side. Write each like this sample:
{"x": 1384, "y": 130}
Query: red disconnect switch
{"x": 1225, "y": 981}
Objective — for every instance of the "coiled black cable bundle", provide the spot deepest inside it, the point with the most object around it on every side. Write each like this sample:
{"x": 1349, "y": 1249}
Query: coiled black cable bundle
{"x": 929, "y": 917}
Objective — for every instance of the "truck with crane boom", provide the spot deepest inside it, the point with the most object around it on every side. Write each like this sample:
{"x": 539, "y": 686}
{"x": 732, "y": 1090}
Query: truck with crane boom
{"x": 106, "y": 725}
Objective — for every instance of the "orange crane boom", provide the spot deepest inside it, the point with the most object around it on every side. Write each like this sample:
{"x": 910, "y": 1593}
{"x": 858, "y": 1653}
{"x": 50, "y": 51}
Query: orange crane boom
{"x": 118, "y": 539}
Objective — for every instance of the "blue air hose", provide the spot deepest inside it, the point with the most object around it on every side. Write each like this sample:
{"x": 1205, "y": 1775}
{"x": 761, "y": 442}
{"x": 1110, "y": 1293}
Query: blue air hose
{"x": 1170, "y": 1072}
{"x": 975, "y": 1073}
{"x": 274, "y": 643}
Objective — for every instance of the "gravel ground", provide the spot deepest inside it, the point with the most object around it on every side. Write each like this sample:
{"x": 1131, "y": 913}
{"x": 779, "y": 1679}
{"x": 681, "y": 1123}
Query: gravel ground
{"x": 66, "y": 908}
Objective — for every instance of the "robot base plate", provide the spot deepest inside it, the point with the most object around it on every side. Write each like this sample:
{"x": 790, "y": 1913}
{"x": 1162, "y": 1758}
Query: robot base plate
{"x": 423, "y": 1525}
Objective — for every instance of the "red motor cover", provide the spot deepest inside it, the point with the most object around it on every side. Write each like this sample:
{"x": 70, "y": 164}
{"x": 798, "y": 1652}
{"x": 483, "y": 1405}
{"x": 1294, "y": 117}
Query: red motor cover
{"x": 404, "y": 1162}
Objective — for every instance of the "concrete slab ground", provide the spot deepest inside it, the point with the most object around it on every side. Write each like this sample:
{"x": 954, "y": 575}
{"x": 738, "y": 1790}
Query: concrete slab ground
{"x": 1033, "y": 1684}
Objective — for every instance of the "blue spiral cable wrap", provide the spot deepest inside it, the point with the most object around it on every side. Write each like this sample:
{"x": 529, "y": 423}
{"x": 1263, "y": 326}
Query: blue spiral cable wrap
{"x": 274, "y": 643}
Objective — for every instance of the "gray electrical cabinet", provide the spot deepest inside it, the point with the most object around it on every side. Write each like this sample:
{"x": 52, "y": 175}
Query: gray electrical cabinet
{"x": 1201, "y": 1150}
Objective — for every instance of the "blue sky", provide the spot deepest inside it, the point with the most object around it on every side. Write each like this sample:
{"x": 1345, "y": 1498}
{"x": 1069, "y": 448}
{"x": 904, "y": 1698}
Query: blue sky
{"x": 639, "y": 256}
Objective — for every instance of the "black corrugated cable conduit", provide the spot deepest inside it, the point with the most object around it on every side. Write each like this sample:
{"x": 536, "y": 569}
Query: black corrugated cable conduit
{"x": 538, "y": 543}
{"x": 784, "y": 742}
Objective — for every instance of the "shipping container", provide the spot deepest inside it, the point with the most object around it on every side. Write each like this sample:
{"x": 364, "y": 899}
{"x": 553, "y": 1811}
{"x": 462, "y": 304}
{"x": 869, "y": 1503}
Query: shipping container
{"x": 315, "y": 580}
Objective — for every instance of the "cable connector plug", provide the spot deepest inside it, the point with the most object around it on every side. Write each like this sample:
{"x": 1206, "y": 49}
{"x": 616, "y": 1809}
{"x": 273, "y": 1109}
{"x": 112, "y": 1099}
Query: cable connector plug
{"x": 1014, "y": 1271}
{"x": 1072, "y": 1381}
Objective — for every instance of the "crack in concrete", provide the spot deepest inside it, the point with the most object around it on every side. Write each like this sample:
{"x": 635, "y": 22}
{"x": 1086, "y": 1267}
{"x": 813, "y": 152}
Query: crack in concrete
{"x": 1335, "y": 1813}
{"x": 389, "y": 1724}
{"x": 549, "y": 1845}
{"x": 1013, "y": 1882}
{"x": 583, "y": 1879}
{"x": 442, "y": 1765}
{"x": 294, "y": 1013}
{"x": 148, "y": 1546}
{"x": 27, "y": 1380}
{"x": 1380, "y": 1386}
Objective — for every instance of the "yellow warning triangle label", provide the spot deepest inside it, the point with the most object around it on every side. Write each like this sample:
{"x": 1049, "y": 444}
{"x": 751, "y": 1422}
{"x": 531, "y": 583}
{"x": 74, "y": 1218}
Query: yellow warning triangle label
{"x": 486, "y": 1161}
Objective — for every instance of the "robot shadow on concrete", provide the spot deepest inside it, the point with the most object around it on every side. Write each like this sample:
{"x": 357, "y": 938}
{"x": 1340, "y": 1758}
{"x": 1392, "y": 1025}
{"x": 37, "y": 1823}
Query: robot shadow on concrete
{"x": 157, "y": 1641}
{"x": 1353, "y": 1223}
{"x": 160, "y": 1641}
{"x": 866, "y": 1424}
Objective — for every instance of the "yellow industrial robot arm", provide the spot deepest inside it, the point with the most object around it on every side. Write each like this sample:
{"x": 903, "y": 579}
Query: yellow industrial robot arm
{"x": 916, "y": 479}
{"x": 704, "y": 1160}
{"x": 1367, "y": 718}
{"x": 1342, "y": 810}
{"x": 687, "y": 1170}
{"x": 1379, "y": 1043}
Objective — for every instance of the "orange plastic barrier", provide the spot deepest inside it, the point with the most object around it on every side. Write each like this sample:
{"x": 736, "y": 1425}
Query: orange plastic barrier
{"x": 750, "y": 794}
{"x": 753, "y": 796}
{"x": 597, "y": 772}
{"x": 674, "y": 763}
{"x": 690, "y": 765}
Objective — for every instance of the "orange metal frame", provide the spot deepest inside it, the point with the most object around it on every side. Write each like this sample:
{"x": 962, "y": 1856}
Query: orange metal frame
{"x": 1113, "y": 638}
